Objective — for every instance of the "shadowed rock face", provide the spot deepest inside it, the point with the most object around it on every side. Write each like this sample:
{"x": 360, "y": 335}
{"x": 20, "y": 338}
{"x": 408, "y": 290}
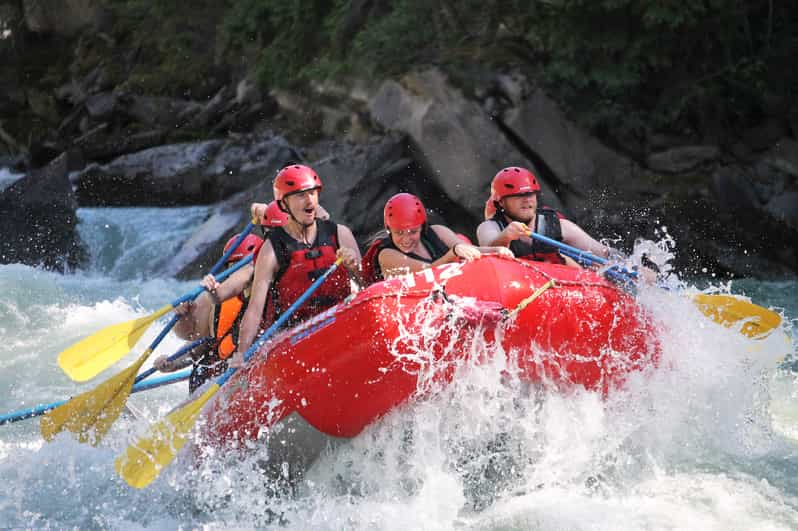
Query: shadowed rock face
{"x": 357, "y": 178}
{"x": 420, "y": 134}
{"x": 62, "y": 17}
{"x": 183, "y": 174}
{"x": 39, "y": 219}
{"x": 459, "y": 143}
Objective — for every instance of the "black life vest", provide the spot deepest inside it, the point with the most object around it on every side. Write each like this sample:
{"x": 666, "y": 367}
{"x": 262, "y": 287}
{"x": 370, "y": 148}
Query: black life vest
{"x": 298, "y": 266}
{"x": 370, "y": 266}
{"x": 211, "y": 361}
{"x": 547, "y": 224}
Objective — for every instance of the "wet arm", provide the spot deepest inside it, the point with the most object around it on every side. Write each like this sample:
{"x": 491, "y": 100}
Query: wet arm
{"x": 574, "y": 236}
{"x": 452, "y": 240}
{"x": 264, "y": 273}
{"x": 393, "y": 262}
{"x": 489, "y": 234}
{"x": 235, "y": 284}
{"x": 347, "y": 239}
{"x": 194, "y": 323}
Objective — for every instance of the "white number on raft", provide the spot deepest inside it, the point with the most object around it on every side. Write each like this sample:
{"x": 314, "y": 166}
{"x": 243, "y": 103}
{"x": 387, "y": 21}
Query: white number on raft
{"x": 447, "y": 271}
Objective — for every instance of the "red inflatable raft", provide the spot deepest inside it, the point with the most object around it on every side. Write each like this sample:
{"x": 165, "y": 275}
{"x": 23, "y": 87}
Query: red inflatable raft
{"x": 340, "y": 371}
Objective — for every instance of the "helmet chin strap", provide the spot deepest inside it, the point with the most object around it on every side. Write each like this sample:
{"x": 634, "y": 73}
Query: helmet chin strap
{"x": 304, "y": 226}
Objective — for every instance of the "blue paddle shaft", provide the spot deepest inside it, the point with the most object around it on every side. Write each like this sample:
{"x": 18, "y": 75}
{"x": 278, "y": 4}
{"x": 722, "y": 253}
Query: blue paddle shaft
{"x": 157, "y": 382}
{"x": 194, "y": 294}
{"x": 222, "y": 276}
{"x": 188, "y": 348}
{"x": 565, "y": 247}
{"x": 223, "y": 260}
{"x": 279, "y": 322}
{"x": 585, "y": 257}
{"x": 15, "y": 416}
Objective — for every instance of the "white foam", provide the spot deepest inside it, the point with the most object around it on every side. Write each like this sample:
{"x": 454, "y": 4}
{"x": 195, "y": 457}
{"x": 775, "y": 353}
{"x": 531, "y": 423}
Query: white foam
{"x": 7, "y": 178}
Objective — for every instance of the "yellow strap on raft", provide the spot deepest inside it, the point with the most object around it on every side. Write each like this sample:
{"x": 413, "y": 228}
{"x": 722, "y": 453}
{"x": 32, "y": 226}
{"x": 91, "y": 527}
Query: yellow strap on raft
{"x": 538, "y": 292}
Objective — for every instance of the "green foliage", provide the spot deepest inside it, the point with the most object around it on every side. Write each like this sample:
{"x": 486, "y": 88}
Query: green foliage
{"x": 292, "y": 37}
{"x": 392, "y": 43}
{"x": 620, "y": 66}
{"x": 174, "y": 44}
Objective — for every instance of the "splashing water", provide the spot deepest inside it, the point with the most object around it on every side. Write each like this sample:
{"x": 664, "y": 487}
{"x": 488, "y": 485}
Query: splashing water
{"x": 7, "y": 178}
{"x": 690, "y": 444}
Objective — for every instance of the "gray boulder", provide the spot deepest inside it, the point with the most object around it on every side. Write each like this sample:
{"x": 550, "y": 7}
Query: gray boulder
{"x": 358, "y": 179}
{"x": 39, "y": 219}
{"x": 61, "y": 17}
{"x": 682, "y": 159}
{"x": 453, "y": 137}
{"x": 181, "y": 174}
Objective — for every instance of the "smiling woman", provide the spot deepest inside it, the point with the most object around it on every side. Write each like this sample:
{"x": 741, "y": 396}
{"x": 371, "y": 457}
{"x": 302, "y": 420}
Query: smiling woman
{"x": 412, "y": 244}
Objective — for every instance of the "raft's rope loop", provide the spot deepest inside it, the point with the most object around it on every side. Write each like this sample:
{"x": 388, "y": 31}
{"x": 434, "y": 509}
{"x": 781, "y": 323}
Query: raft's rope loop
{"x": 538, "y": 292}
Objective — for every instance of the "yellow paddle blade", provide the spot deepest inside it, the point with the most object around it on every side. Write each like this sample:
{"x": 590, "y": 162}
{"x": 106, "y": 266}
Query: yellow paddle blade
{"x": 143, "y": 461}
{"x": 728, "y": 310}
{"x": 91, "y": 414}
{"x": 89, "y": 357}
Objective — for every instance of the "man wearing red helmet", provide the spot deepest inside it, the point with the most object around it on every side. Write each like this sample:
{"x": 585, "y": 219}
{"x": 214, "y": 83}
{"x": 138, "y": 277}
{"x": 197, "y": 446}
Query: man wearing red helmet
{"x": 296, "y": 254}
{"x": 512, "y": 211}
{"x": 271, "y": 215}
{"x": 412, "y": 245}
{"x": 209, "y": 315}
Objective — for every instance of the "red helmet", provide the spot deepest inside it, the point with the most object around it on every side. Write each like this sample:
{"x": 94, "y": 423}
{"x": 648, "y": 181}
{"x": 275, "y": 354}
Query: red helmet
{"x": 404, "y": 211}
{"x": 513, "y": 181}
{"x": 250, "y": 245}
{"x": 294, "y": 179}
{"x": 274, "y": 216}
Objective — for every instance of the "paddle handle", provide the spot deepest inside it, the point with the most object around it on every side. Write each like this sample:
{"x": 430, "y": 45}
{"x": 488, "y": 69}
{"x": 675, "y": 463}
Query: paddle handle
{"x": 223, "y": 260}
{"x": 37, "y": 411}
{"x": 586, "y": 257}
{"x": 188, "y": 348}
{"x": 189, "y": 297}
{"x": 565, "y": 247}
{"x": 196, "y": 292}
{"x": 280, "y": 321}
{"x": 222, "y": 276}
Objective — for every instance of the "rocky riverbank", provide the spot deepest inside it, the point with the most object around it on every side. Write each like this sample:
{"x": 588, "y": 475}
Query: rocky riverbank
{"x": 730, "y": 207}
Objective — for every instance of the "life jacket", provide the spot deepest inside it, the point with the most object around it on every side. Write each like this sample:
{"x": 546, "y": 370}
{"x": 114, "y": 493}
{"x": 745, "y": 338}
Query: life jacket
{"x": 298, "y": 266}
{"x": 370, "y": 266}
{"x": 547, "y": 224}
{"x": 225, "y": 324}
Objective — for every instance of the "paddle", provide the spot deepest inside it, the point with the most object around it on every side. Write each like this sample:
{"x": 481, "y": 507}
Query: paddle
{"x": 143, "y": 461}
{"x": 183, "y": 350}
{"x": 725, "y": 310}
{"x": 16, "y": 416}
{"x": 92, "y": 355}
{"x": 91, "y": 414}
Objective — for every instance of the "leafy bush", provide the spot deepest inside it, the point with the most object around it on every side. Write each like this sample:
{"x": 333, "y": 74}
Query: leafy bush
{"x": 620, "y": 66}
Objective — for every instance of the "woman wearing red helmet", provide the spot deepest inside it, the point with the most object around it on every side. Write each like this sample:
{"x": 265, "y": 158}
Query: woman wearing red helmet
{"x": 210, "y": 315}
{"x": 294, "y": 255}
{"x": 512, "y": 211}
{"x": 412, "y": 244}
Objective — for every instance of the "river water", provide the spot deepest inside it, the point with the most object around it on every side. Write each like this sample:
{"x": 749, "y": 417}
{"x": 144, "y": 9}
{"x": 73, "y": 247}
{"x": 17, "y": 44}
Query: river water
{"x": 709, "y": 440}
